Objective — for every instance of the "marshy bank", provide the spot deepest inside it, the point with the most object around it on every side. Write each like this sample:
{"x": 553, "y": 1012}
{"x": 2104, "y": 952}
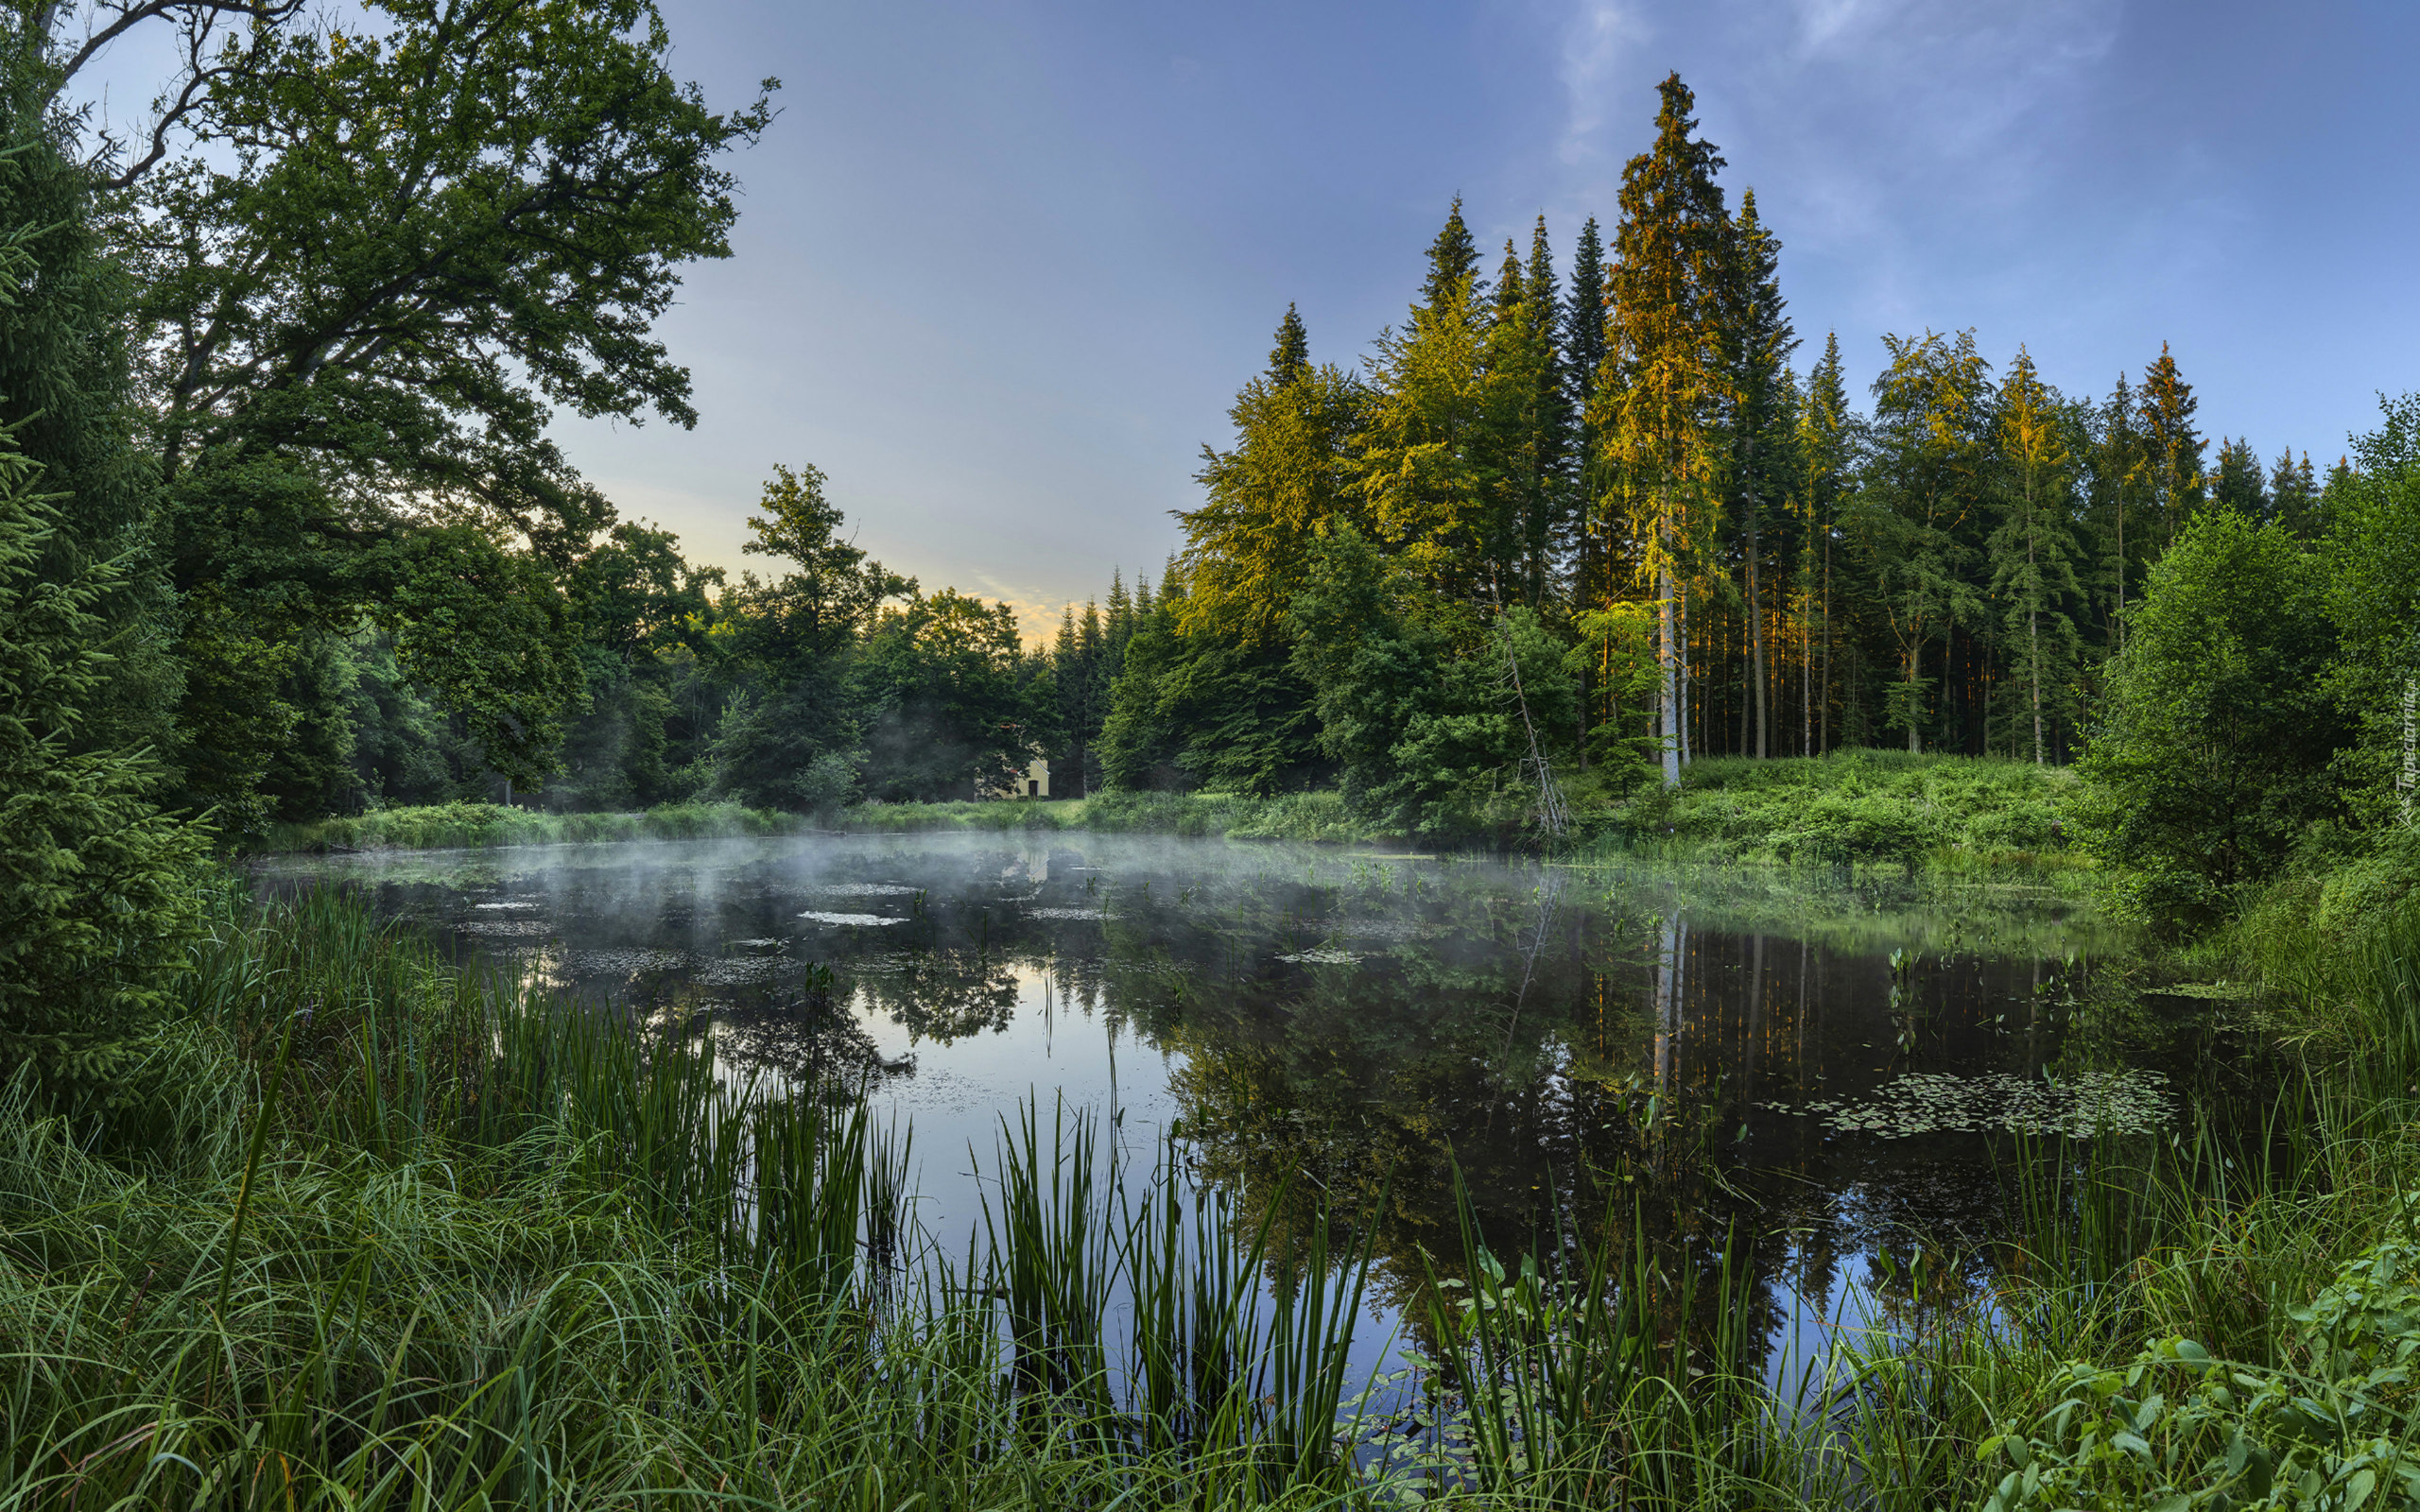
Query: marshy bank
{"x": 389, "y": 1226}
{"x": 1850, "y": 808}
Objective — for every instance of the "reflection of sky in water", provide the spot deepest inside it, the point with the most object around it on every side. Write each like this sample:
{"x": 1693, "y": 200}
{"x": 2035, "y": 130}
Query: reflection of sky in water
{"x": 1347, "y": 1012}
{"x": 961, "y": 1089}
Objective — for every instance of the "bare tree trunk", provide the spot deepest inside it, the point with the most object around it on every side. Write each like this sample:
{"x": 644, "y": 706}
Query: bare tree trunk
{"x": 1915, "y": 692}
{"x": 1667, "y": 653}
{"x": 1757, "y": 633}
{"x": 2033, "y": 642}
{"x": 1806, "y": 676}
{"x": 1681, "y": 592}
{"x": 1824, "y": 719}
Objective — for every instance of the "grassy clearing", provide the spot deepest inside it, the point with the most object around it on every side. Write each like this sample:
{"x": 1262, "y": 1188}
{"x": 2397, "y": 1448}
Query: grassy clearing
{"x": 1853, "y": 807}
{"x": 472, "y": 826}
{"x": 1946, "y": 813}
{"x": 386, "y": 1232}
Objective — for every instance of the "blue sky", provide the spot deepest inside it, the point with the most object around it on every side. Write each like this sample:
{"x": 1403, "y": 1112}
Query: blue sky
{"x": 1001, "y": 266}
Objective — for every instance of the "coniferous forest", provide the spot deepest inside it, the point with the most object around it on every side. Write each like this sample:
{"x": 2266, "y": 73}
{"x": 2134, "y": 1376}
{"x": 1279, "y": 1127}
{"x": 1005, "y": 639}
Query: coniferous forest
{"x": 1595, "y": 564}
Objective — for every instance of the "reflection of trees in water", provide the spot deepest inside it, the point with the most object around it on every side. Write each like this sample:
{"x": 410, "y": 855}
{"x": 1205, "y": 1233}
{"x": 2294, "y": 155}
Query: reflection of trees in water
{"x": 805, "y": 1033}
{"x": 944, "y": 995}
{"x": 1596, "y": 1078}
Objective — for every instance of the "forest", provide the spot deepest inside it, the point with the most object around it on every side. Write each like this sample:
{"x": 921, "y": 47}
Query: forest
{"x": 1592, "y": 564}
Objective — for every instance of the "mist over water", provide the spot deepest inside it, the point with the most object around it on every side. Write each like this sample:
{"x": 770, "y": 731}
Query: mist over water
{"x": 1739, "y": 1063}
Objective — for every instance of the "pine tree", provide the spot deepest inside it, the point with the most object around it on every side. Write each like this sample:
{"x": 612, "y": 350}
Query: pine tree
{"x": 2171, "y": 446}
{"x": 1660, "y": 387}
{"x": 2032, "y": 551}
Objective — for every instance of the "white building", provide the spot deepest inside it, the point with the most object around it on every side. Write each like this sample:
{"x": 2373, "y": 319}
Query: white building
{"x": 1034, "y": 783}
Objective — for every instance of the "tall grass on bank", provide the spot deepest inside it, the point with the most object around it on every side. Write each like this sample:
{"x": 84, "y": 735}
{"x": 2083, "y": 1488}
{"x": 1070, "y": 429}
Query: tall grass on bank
{"x": 455, "y": 825}
{"x": 1850, "y": 807}
{"x": 395, "y": 1233}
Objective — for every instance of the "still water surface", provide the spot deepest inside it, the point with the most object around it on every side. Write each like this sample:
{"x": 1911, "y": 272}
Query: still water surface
{"x": 1804, "y": 1076}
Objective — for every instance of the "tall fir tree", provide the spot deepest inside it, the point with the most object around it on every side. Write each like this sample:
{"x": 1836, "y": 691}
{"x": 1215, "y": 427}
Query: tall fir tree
{"x": 1933, "y": 432}
{"x": 1660, "y": 389}
{"x": 1827, "y": 461}
{"x": 1290, "y": 356}
{"x": 2293, "y": 496}
{"x": 1553, "y": 527}
{"x": 1453, "y": 264}
{"x": 1757, "y": 343}
{"x": 1432, "y": 460}
{"x": 2119, "y": 471}
{"x": 2171, "y": 446}
{"x": 1583, "y": 356}
{"x": 2032, "y": 550}
{"x": 1268, "y": 496}
{"x": 2240, "y": 483}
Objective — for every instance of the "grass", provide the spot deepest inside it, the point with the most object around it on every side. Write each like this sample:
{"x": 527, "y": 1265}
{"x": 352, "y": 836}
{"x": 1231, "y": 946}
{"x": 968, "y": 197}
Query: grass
{"x": 1850, "y": 807}
{"x": 1945, "y": 812}
{"x": 457, "y": 826}
{"x": 380, "y": 1231}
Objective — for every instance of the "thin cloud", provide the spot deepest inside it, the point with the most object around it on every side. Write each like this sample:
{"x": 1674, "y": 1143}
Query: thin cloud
{"x": 1600, "y": 55}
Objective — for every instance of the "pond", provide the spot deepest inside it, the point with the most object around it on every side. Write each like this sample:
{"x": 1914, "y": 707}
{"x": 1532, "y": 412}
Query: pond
{"x": 1801, "y": 1077}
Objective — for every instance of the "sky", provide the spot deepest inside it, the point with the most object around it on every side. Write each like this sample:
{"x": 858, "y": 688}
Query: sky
{"x": 1001, "y": 266}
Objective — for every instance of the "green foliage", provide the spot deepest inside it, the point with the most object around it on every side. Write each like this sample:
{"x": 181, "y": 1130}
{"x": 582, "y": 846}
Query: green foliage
{"x": 444, "y": 826}
{"x": 1853, "y": 807}
{"x": 98, "y": 897}
{"x": 951, "y": 708}
{"x": 1420, "y": 732}
{"x": 2178, "y": 1429}
{"x": 1198, "y": 705}
{"x": 2211, "y": 761}
{"x": 2372, "y": 552}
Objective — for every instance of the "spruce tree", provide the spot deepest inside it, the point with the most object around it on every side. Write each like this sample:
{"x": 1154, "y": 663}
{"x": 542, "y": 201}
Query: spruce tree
{"x": 2293, "y": 496}
{"x": 1757, "y": 343}
{"x": 1933, "y": 435}
{"x": 2120, "y": 470}
{"x": 66, "y": 395}
{"x": 1659, "y": 389}
{"x": 1453, "y": 263}
{"x": 98, "y": 895}
{"x": 1268, "y": 494}
{"x": 1435, "y": 443}
{"x": 1551, "y": 524}
{"x": 1582, "y": 339}
{"x": 2032, "y": 551}
{"x": 2171, "y": 446}
{"x": 2239, "y": 484}
{"x": 1827, "y": 456}
{"x": 1290, "y": 357}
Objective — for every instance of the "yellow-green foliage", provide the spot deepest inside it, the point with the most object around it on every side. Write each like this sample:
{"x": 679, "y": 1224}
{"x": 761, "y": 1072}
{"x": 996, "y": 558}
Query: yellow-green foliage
{"x": 1851, "y": 806}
